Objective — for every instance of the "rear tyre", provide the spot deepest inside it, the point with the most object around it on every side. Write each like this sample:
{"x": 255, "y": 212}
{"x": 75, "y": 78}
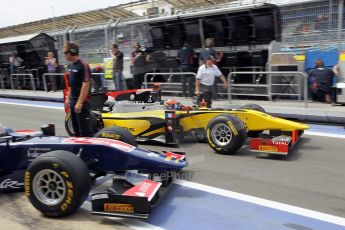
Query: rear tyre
{"x": 117, "y": 133}
{"x": 57, "y": 183}
{"x": 256, "y": 108}
{"x": 226, "y": 134}
{"x": 69, "y": 127}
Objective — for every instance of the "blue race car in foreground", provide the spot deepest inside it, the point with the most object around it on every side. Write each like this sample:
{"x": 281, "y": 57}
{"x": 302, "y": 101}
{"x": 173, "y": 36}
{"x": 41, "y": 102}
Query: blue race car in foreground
{"x": 57, "y": 172}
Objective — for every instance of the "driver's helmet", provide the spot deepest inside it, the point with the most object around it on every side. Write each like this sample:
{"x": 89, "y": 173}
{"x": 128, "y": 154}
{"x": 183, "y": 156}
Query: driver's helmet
{"x": 2, "y": 130}
{"x": 173, "y": 104}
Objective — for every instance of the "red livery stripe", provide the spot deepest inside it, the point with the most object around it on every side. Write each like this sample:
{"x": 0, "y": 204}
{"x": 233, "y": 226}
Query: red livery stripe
{"x": 147, "y": 188}
{"x": 87, "y": 75}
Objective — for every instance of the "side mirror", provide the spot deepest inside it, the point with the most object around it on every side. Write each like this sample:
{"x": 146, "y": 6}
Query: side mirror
{"x": 48, "y": 130}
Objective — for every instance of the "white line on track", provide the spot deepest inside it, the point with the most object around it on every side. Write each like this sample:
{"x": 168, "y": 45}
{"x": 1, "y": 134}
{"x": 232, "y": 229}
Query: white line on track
{"x": 266, "y": 203}
{"x": 38, "y": 106}
{"x": 311, "y": 133}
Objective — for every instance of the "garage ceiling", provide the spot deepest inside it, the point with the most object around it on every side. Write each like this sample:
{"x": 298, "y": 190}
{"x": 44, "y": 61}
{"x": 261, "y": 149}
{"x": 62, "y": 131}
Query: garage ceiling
{"x": 94, "y": 17}
{"x": 101, "y": 16}
{"x": 195, "y": 3}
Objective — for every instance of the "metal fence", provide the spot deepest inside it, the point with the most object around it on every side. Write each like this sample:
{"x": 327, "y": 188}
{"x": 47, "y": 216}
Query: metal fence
{"x": 24, "y": 77}
{"x": 44, "y": 78}
{"x": 302, "y": 85}
{"x": 313, "y": 24}
{"x": 175, "y": 87}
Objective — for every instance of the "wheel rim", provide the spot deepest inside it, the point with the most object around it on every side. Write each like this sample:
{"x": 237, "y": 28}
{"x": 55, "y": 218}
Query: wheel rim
{"x": 49, "y": 187}
{"x": 221, "y": 134}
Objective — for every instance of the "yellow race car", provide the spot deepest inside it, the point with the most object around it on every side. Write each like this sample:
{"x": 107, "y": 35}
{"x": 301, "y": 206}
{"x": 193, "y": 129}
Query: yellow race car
{"x": 225, "y": 130}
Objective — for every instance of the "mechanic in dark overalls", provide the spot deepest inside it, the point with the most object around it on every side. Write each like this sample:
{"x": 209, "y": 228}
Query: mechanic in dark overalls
{"x": 79, "y": 91}
{"x": 186, "y": 56}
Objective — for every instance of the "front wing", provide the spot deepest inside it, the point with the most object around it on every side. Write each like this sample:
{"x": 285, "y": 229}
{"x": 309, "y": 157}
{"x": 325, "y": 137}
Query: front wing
{"x": 124, "y": 199}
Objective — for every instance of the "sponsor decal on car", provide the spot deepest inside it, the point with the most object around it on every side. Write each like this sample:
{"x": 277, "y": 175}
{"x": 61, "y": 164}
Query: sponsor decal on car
{"x": 33, "y": 153}
{"x": 110, "y": 207}
{"x": 280, "y": 142}
{"x": 268, "y": 148}
{"x": 170, "y": 115}
{"x": 99, "y": 196}
{"x": 27, "y": 183}
{"x": 110, "y": 136}
{"x": 10, "y": 184}
{"x": 69, "y": 196}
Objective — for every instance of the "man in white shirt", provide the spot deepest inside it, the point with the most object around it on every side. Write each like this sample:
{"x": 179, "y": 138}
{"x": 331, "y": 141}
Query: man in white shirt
{"x": 205, "y": 78}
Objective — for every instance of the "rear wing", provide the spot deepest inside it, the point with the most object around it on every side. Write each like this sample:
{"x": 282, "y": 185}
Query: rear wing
{"x": 99, "y": 97}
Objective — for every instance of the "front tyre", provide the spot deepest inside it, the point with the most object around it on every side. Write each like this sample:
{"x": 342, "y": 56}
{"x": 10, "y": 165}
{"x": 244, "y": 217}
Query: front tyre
{"x": 226, "y": 134}
{"x": 57, "y": 183}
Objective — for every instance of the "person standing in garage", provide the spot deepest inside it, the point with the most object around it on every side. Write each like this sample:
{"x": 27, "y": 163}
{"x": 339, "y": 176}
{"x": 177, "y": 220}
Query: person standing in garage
{"x": 186, "y": 57}
{"x": 117, "y": 57}
{"x": 205, "y": 78}
{"x": 79, "y": 91}
{"x": 51, "y": 63}
{"x": 320, "y": 82}
{"x": 139, "y": 59}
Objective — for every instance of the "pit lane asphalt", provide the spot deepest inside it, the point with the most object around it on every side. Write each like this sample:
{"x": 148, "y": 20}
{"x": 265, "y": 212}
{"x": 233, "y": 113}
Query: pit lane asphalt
{"x": 312, "y": 176}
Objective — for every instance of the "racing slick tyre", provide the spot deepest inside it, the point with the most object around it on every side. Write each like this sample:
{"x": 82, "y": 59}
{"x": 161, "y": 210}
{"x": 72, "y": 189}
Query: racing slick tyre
{"x": 69, "y": 127}
{"x": 117, "y": 133}
{"x": 57, "y": 183}
{"x": 256, "y": 108}
{"x": 226, "y": 134}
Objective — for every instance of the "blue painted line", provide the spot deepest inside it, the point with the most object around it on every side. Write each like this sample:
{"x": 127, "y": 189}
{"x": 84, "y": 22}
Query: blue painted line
{"x": 327, "y": 129}
{"x": 33, "y": 103}
{"x": 186, "y": 208}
